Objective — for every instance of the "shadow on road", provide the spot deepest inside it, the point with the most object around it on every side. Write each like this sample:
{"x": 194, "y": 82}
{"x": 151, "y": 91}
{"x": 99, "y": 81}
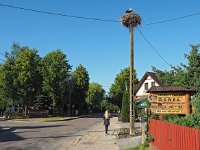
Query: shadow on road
{"x": 7, "y": 136}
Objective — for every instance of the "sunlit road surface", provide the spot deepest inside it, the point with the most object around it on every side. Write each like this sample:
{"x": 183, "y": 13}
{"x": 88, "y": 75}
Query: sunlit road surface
{"x": 44, "y": 135}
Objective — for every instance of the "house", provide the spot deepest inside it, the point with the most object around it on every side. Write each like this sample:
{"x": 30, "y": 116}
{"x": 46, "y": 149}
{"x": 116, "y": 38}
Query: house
{"x": 148, "y": 80}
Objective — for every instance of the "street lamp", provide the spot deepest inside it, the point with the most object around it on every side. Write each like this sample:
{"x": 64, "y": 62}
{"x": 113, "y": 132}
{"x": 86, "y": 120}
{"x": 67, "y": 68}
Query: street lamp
{"x": 130, "y": 20}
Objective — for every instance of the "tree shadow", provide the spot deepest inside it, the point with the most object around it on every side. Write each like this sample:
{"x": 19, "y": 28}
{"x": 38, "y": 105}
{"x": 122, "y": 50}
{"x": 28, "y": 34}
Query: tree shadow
{"x": 9, "y": 135}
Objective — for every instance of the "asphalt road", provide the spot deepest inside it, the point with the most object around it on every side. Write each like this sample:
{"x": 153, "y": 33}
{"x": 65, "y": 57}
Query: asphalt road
{"x": 60, "y": 135}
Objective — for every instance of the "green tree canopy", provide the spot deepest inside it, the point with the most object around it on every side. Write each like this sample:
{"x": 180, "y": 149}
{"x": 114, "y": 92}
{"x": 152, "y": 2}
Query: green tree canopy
{"x": 55, "y": 71}
{"x": 81, "y": 85}
{"x": 95, "y": 95}
{"x": 120, "y": 84}
{"x": 185, "y": 74}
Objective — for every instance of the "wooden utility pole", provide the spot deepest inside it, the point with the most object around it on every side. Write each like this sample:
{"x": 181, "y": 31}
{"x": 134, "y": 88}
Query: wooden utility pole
{"x": 130, "y": 20}
{"x": 132, "y": 112}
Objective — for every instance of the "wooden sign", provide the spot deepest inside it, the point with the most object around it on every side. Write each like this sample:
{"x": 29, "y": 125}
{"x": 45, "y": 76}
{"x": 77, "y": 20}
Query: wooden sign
{"x": 167, "y": 103}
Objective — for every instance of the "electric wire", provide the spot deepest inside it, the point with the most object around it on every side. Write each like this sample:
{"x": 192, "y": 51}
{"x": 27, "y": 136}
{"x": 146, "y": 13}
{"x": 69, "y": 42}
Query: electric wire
{"x": 105, "y": 20}
{"x": 93, "y": 18}
{"x": 57, "y": 14}
{"x": 152, "y": 47}
{"x": 172, "y": 19}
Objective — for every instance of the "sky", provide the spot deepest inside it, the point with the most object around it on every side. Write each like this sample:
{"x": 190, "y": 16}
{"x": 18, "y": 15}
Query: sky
{"x": 103, "y": 47}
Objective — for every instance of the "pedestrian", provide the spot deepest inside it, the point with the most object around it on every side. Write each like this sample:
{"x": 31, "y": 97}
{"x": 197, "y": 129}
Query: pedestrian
{"x": 106, "y": 118}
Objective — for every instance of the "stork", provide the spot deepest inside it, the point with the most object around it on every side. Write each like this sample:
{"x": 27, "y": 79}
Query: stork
{"x": 129, "y": 10}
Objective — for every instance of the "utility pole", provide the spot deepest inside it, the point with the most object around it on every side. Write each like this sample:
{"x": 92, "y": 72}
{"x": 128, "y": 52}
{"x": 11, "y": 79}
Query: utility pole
{"x": 131, "y": 87}
{"x": 130, "y": 20}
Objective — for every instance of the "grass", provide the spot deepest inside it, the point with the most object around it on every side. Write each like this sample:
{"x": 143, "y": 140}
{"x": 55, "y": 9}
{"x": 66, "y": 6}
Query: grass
{"x": 140, "y": 147}
{"x": 40, "y": 119}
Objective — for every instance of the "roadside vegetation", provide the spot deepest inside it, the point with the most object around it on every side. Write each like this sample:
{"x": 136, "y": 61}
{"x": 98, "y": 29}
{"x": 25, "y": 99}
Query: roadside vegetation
{"x": 140, "y": 147}
{"x": 29, "y": 82}
{"x": 185, "y": 75}
{"x": 49, "y": 119}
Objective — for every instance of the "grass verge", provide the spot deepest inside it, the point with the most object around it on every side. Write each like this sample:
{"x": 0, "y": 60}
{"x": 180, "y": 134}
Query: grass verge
{"x": 50, "y": 119}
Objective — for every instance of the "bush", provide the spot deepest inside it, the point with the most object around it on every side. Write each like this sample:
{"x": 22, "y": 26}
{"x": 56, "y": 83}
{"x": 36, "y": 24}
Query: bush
{"x": 125, "y": 112}
{"x": 191, "y": 120}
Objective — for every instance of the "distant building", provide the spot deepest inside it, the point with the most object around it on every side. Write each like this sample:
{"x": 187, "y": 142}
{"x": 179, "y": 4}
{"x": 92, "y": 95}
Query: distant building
{"x": 148, "y": 80}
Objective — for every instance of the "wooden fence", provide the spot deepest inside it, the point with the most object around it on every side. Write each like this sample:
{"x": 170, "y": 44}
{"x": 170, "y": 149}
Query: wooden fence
{"x": 168, "y": 136}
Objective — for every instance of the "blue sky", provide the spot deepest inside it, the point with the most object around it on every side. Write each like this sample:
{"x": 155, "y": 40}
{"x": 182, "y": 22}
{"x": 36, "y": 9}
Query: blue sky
{"x": 103, "y": 47}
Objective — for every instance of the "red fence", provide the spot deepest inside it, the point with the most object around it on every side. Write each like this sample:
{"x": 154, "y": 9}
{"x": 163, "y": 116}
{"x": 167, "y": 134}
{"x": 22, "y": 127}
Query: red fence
{"x": 168, "y": 136}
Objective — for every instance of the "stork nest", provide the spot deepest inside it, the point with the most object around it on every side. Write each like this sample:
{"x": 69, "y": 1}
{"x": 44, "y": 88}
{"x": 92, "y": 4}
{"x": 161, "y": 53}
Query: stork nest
{"x": 130, "y": 19}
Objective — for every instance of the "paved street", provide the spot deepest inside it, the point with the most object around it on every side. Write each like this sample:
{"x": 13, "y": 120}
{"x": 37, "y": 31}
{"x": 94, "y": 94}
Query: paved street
{"x": 45, "y": 135}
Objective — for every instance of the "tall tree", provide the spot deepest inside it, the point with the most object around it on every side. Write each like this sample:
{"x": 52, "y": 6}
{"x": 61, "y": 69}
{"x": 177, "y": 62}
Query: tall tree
{"x": 185, "y": 74}
{"x": 27, "y": 68}
{"x": 125, "y": 112}
{"x": 8, "y": 76}
{"x": 120, "y": 84}
{"x": 55, "y": 70}
{"x": 95, "y": 95}
{"x": 81, "y": 85}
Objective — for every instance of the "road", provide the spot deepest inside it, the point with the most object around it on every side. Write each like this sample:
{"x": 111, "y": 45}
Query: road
{"x": 60, "y": 135}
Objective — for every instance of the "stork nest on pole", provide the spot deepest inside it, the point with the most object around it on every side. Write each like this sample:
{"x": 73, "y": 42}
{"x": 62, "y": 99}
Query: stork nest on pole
{"x": 130, "y": 19}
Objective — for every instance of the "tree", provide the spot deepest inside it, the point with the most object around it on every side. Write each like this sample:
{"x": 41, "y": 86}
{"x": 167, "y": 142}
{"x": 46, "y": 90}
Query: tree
{"x": 185, "y": 74}
{"x": 121, "y": 83}
{"x": 27, "y": 68}
{"x": 95, "y": 95}
{"x": 8, "y": 88}
{"x": 81, "y": 85}
{"x": 107, "y": 105}
{"x": 125, "y": 112}
{"x": 55, "y": 71}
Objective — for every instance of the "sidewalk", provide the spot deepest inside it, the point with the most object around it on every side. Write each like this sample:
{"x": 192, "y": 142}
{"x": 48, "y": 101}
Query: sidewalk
{"x": 95, "y": 138}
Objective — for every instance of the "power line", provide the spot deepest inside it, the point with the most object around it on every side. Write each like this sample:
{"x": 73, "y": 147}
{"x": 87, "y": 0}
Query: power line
{"x": 93, "y": 18}
{"x": 152, "y": 47}
{"x": 172, "y": 19}
{"x": 57, "y": 14}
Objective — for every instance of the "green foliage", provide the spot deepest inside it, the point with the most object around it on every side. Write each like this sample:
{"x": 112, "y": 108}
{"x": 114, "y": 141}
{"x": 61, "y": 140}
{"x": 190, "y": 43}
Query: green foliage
{"x": 125, "y": 111}
{"x": 106, "y": 105}
{"x": 169, "y": 117}
{"x": 27, "y": 69}
{"x": 154, "y": 116}
{"x": 81, "y": 85}
{"x": 140, "y": 147}
{"x": 191, "y": 120}
{"x": 95, "y": 95}
{"x": 184, "y": 75}
{"x": 55, "y": 71}
{"x": 149, "y": 137}
{"x": 120, "y": 84}
{"x": 196, "y": 102}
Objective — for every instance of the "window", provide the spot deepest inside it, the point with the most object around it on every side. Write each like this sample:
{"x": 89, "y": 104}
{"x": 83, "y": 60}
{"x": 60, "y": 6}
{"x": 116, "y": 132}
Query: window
{"x": 146, "y": 86}
{"x": 152, "y": 83}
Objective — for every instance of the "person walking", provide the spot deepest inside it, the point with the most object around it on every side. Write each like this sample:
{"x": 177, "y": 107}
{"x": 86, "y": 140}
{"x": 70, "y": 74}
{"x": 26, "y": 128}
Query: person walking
{"x": 106, "y": 118}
